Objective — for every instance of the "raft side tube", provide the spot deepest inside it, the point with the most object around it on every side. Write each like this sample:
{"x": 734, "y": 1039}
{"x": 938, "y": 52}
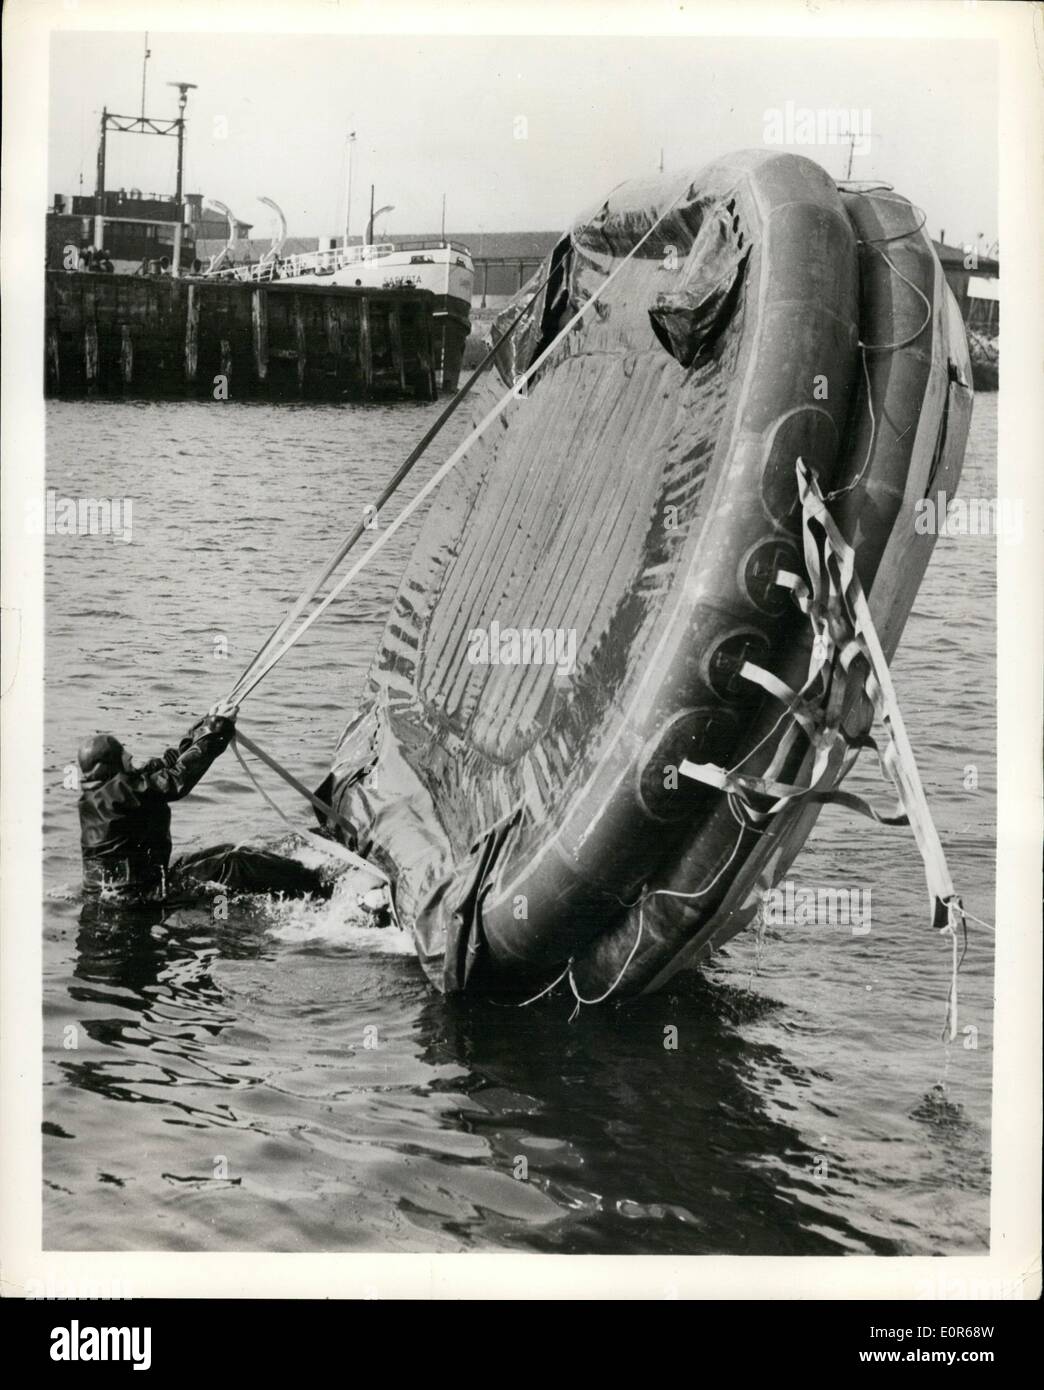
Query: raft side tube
{"x": 797, "y": 325}
{"x": 920, "y": 390}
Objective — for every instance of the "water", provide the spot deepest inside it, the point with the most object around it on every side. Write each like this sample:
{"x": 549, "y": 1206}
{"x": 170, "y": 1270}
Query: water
{"x": 224, "y": 1092}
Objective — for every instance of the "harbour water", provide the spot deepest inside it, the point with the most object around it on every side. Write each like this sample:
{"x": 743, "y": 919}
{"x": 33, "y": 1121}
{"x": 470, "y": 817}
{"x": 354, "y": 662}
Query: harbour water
{"x": 279, "y": 1080}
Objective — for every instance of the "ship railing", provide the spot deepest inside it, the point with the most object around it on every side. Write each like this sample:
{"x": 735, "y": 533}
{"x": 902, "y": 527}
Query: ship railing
{"x": 310, "y": 262}
{"x": 427, "y": 244}
{"x": 326, "y": 262}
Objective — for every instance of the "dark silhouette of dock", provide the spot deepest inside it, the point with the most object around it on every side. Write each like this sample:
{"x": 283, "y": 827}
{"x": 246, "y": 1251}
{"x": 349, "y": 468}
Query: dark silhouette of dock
{"x": 160, "y": 337}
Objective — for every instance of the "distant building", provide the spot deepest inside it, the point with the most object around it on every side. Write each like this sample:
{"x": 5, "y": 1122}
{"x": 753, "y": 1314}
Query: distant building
{"x": 975, "y": 282}
{"x": 138, "y": 227}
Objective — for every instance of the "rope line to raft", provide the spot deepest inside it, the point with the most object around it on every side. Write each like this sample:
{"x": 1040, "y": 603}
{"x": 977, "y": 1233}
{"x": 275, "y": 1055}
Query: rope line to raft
{"x": 785, "y": 714}
{"x": 864, "y": 348}
{"x": 626, "y": 965}
{"x": 257, "y": 785}
{"x": 978, "y": 920}
{"x": 547, "y": 990}
{"x": 903, "y": 342}
{"x": 896, "y": 236}
{"x": 737, "y": 815}
{"x": 391, "y": 486}
{"x": 700, "y": 892}
{"x": 658, "y": 892}
{"x": 950, "y": 1022}
{"x": 244, "y": 687}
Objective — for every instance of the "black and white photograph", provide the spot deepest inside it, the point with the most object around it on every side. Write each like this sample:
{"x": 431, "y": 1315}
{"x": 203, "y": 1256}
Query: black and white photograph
{"x": 522, "y": 538}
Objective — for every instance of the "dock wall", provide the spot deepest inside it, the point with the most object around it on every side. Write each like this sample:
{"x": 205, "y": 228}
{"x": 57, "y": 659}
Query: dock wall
{"x": 156, "y": 337}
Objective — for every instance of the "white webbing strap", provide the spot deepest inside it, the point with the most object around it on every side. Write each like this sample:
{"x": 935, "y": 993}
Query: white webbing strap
{"x": 897, "y": 754}
{"x": 846, "y": 650}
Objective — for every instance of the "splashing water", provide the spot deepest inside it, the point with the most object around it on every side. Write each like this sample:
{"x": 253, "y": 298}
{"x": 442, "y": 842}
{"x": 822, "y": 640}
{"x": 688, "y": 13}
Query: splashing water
{"x": 936, "y": 1108}
{"x": 344, "y": 919}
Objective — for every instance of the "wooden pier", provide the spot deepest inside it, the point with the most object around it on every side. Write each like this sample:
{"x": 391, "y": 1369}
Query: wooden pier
{"x": 156, "y": 337}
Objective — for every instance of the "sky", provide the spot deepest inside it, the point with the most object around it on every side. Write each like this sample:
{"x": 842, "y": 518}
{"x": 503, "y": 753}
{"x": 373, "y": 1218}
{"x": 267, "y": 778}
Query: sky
{"x": 518, "y": 133}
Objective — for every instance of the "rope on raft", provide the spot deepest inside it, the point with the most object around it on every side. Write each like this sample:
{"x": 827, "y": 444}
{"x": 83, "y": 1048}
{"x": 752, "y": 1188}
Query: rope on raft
{"x": 256, "y": 784}
{"x": 875, "y": 243}
{"x": 978, "y": 920}
{"x": 323, "y": 807}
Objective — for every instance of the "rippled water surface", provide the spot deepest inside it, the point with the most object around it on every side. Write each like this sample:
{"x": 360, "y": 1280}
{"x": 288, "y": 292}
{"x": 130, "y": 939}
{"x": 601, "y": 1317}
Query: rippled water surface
{"x": 224, "y": 1092}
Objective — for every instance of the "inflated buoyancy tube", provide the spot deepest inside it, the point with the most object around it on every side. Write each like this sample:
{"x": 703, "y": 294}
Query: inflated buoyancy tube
{"x": 642, "y": 497}
{"x": 906, "y": 440}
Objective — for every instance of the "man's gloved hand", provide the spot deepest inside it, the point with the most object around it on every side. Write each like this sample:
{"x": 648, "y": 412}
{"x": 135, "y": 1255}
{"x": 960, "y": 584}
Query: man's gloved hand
{"x": 224, "y": 709}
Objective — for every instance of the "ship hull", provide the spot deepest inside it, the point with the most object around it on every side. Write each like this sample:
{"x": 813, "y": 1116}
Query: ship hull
{"x": 445, "y": 271}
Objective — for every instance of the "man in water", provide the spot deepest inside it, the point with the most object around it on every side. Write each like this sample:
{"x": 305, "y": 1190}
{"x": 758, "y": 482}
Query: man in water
{"x": 125, "y": 810}
{"x": 125, "y": 826}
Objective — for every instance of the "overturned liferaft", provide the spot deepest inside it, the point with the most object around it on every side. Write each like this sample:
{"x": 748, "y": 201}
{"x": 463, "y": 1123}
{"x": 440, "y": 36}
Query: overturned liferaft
{"x": 628, "y": 579}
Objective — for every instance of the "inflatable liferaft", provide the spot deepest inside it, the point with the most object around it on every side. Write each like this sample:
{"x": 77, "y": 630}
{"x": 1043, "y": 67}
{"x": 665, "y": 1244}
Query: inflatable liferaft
{"x": 617, "y": 684}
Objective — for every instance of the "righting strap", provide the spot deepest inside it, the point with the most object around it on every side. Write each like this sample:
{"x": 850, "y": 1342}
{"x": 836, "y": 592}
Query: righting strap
{"x": 321, "y": 806}
{"x": 846, "y": 655}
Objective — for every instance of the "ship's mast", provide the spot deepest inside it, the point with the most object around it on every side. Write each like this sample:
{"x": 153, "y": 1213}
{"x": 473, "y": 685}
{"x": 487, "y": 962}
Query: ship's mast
{"x": 144, "y": 125}
{"x": 179, "y": 213}
{"x": 144, "y": 71}
{"x": 348, "y": 194}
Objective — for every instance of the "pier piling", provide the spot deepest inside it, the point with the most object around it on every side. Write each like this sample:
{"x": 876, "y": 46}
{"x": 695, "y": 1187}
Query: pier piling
{"x": 154, "y": 337}
{"x": 259, "y": 319}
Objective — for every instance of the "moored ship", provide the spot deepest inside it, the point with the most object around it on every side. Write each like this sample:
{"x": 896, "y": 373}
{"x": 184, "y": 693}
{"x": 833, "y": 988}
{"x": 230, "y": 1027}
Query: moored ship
{"x": 443, "y": 267}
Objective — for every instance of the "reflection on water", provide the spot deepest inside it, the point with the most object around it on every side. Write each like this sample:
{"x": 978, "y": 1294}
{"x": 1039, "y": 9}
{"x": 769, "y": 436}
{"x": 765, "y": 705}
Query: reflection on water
{"x": 277, "y": 1079}
{"x": 609, "y": 1077}
{"x": 554, "y": 1119}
